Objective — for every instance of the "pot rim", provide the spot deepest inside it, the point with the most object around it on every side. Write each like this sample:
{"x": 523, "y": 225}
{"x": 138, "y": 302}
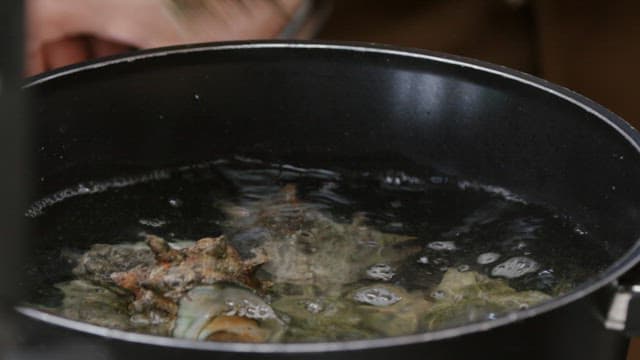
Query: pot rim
{"x": 614, "y": 271}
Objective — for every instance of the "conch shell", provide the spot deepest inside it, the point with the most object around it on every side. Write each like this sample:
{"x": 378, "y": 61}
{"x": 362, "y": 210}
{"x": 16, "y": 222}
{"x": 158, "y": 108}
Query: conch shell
{"x": 224, "y": 312}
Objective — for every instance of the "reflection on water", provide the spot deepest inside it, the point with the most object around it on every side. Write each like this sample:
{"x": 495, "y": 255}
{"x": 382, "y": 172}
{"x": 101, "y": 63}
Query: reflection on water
{"x": 294, "y": 253}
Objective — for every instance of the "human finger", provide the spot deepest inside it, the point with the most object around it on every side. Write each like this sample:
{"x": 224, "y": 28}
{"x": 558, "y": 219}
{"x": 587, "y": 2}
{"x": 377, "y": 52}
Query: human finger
{"x": 101, "y": 47}
{"x": 65, "y": 52}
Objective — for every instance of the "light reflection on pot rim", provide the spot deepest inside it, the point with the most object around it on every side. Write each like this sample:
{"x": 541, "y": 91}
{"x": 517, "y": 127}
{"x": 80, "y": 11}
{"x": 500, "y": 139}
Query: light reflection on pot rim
{"x": 618, "y": 268}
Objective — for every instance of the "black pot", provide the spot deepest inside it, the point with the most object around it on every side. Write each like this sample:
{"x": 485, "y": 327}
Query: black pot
{"x": 290, "y": 101}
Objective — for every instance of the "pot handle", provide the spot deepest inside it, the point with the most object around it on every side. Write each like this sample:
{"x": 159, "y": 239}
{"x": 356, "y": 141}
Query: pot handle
{"x": 624, "y": 310}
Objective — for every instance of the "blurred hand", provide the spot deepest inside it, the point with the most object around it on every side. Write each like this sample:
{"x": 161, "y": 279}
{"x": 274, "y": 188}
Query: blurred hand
{"x": 63, "y": 32}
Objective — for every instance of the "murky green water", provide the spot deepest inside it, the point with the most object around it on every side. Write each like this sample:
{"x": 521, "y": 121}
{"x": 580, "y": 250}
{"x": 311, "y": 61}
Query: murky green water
{"x": 354, "y": 254}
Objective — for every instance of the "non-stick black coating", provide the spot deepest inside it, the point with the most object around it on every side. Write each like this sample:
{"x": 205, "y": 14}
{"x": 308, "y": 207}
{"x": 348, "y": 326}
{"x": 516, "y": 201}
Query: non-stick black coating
{"x": 336, "y": 102}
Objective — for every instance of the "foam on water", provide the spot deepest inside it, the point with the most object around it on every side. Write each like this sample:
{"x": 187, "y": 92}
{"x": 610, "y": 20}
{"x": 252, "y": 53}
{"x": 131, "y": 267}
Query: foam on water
{"x": 246, "y": 308}
{"x": 442, "y": 245}
{"x": 515, "y": 267}
{"x": 38, "y": 207}
{"x": 500, "y": 191}
{"x": 154, "y": 223}
{"x": 382, "y": 272}
{"x": 399, "y": 180}
{"x": 487, "y": 258}
{"x": 313, "y": 307}
{"x": 463, "y": 268}
{"x": 376, "y": 296}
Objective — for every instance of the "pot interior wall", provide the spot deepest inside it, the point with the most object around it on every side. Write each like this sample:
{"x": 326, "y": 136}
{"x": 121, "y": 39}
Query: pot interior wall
{"x": 334, "y": 105}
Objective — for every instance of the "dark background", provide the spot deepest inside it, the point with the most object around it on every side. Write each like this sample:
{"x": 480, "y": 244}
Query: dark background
{"x": 590, "y": 46}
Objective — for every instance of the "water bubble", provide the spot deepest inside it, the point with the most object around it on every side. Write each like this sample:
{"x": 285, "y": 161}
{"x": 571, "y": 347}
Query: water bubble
{"x": 401, "y": 181}
{"x": 391, "y": 180}
{"x": 196, "y": 96}
{"x": 502, "y": 192}
{"x": 382, "y": 272}
{"x": 520, "y": 245}
{"x": 175, "y": 202}
{"x": 37, "y": 208}
{"x": 156, "y": 223}
{"x": 442, "y": 245}
{"x": 438, "y": 180}
{"x": 440, "y": 261}
{"x": 395, "y": 204}
{"x": 313, "y": 307}
{"x": 463, "y": 268}
{"x": 492, "y": 316}
{"x": 487, "y": 258}
{"x": 247, "y": 308}
{"x": 376, "y": 296}
{"x": 515, "y": 267}
{"x": 546, "y": 274}
{"x": 580, "y": 230}
{"x": 423, "y": 260}
{"x": 82, "y": 189}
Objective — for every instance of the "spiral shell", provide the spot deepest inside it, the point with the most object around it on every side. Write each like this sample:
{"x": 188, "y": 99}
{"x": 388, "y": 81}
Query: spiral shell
{"x": 224, "y": 312}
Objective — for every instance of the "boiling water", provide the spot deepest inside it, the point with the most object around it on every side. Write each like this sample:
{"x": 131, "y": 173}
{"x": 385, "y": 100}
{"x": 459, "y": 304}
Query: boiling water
{"x": 455, "y": 224}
